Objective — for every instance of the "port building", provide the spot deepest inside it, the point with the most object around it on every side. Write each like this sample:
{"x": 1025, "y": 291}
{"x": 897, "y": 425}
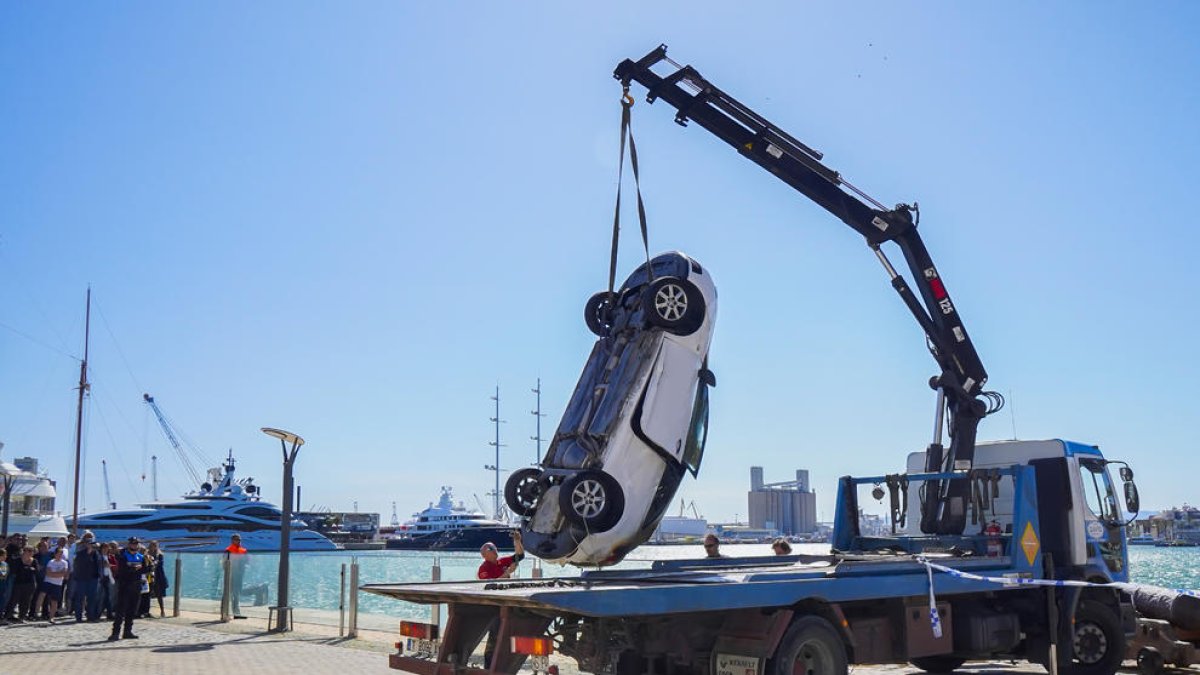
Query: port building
{"x": 788, "y": 507}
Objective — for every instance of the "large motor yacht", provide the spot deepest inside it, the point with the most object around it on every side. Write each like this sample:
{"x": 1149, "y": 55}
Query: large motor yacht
{"x": 447, "y": 526}
{"x": 204, "y": 520}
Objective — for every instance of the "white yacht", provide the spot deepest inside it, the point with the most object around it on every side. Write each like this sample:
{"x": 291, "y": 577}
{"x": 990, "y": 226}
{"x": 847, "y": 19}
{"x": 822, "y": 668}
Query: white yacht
{"x": 204, "y": 520}
{"x": 31, "y": 502}
{"x": 447, "y": 526}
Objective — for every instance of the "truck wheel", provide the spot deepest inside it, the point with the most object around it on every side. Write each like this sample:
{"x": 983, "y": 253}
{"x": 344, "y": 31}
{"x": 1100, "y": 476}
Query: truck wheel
{"x": 810, "y": 647}
{"x": 938, "y": 664}
{"x": 523, "y": 490}
{"x": 674, "y": 304}
{"x": 591, "y": 499}
{"x": 1097, "y": 641}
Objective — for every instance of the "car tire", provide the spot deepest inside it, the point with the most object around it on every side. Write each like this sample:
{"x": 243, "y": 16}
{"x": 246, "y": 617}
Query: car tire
{"x": 597, "y": 314}
{"x": 810, "y": 645}
{"x": 523, "y": 490}
{"x": 592, "y": 500}
{"x": 1097, "y": 644}
{"x": 938, "y": 664}
{"x": 673, "y": 304}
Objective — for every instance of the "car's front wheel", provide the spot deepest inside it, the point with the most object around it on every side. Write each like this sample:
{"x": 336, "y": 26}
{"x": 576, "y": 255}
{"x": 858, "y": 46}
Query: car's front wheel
{"x": 523, "y": 490}
{"x": 597, "y": 313}
{"x": 591, "y": 499}
{"x": 674, "y": 304}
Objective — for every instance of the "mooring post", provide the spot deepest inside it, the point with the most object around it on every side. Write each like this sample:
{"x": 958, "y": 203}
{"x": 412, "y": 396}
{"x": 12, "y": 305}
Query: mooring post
{"x": 352, "y": 632}
{"x": 178, "y": 580}
{"x": 435, "y": 610}
{"x": 342, "y": 604}
{"x": 227, "y": 588}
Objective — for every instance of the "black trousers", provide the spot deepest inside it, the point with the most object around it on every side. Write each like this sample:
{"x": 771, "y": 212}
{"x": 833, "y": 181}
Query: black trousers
{"x": 128, "y": 597}
{"x": 21, "y": 600}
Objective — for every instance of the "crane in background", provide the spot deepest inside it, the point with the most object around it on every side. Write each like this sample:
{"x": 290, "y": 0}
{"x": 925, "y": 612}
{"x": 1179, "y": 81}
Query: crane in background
{"x": 107, "y": 492}
{"x": 183, "y": 453}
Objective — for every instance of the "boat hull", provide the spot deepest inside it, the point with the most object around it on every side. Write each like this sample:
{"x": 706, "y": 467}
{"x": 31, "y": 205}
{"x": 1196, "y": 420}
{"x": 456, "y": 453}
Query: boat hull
{"x": 465, "y": 539}
{"x": 215, "y": 542}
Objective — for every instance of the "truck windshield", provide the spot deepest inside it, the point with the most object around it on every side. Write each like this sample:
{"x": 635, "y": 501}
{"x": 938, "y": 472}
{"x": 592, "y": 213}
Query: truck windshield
{"x": 1098, "y": 490}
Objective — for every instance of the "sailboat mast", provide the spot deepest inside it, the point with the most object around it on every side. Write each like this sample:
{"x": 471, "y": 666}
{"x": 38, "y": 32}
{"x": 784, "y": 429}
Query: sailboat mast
{"x": 83, "y": 388}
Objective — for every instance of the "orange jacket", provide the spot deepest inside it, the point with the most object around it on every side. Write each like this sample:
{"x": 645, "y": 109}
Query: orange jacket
{"x": 235, "y": 549}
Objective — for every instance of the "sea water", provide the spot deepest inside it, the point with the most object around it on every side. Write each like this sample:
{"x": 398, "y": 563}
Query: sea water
{"x": 316, "y": 578}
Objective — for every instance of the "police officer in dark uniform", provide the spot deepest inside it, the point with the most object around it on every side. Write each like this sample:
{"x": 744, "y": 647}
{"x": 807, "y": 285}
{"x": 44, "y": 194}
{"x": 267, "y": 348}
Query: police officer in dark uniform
{"x": 131, "y": 564}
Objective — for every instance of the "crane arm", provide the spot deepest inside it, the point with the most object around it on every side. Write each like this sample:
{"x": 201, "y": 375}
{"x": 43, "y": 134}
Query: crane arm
{"x": 960, "y": 382}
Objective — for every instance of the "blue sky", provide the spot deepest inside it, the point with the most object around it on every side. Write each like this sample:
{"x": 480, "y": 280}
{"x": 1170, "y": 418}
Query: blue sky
{"x": 354, "y": 221}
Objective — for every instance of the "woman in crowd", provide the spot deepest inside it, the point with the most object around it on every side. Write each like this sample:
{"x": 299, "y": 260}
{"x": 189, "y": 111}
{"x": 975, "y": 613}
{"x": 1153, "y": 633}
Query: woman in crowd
{"x": 157, "y": 582}
{"x": 52, "y": 586}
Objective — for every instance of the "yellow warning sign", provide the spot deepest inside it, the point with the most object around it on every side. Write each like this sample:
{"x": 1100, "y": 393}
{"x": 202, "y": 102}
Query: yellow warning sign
{"x": 1029, "y": 542}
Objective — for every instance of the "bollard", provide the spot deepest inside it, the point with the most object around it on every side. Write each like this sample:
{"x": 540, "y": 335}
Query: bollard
{"x": 352, "y": 631}
{"x": 178, "y": 578}
{"x": 342, "y": 604}
{"x": 226, "y": 588}
{"x": 435, "y": 610}
{"x": 537, "y": 568}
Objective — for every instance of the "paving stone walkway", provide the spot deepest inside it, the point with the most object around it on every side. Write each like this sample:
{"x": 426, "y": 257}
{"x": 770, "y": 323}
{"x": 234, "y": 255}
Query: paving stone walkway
{"x": 182, "y": 647}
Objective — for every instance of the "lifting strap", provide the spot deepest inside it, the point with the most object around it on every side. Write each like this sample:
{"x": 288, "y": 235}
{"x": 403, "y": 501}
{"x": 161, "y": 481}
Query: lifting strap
{"x": 627, "y": 131}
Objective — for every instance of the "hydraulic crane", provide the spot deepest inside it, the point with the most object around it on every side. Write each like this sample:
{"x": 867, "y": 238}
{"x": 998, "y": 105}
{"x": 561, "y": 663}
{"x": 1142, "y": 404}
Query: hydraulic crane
{"x": 962, "y": 403}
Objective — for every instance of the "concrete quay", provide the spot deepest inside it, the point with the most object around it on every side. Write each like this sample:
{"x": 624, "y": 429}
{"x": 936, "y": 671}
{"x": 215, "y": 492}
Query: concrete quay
{"x": 197, "y": 644}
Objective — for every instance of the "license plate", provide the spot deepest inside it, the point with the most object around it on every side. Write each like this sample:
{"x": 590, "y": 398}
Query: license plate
{"x": 423, "y": 648}
{"x": 736, "y": 664}
{"x": 538, "y": 664}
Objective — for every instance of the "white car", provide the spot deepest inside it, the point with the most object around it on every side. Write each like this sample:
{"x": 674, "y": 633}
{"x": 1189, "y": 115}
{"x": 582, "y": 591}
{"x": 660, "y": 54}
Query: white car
{"x": 637, "y": 421}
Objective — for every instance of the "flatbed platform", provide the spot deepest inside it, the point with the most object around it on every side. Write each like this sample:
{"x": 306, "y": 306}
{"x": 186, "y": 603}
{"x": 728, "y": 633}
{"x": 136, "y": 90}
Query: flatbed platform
{"x": 714, "y": 585}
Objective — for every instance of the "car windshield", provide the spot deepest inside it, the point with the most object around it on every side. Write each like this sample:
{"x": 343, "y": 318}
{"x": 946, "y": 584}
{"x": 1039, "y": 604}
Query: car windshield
{"x": 693, "y": 451}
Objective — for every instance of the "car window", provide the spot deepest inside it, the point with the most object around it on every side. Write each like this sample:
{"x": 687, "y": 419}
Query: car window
{"x": 693, "y": 450}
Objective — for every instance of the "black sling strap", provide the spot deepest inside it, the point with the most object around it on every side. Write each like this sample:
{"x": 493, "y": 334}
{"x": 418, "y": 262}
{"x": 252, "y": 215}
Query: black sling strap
{"x": 627, "y": 131}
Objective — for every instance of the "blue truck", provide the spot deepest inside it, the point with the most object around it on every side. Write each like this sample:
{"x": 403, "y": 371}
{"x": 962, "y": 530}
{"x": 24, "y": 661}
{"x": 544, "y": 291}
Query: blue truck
{"x": 1012, "y": 550}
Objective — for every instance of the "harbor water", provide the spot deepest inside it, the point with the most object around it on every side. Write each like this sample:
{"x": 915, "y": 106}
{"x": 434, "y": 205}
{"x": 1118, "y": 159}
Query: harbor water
{"x": 314, "y": 591}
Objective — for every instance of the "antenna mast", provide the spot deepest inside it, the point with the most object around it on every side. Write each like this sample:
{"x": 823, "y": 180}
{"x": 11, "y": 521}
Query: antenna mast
{"x": 538, "y": 415}
{"x": 83, "y": 389}
{"x": 495, "y": 468}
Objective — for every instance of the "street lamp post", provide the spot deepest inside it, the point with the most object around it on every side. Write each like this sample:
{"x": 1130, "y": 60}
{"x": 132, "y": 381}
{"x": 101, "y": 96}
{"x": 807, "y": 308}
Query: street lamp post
{"x": 283, "y": 611}
{"x": 9, "y": 477}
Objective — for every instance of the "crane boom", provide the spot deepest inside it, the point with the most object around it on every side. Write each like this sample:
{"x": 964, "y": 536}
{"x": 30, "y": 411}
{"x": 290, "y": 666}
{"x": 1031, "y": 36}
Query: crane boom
{"x": 960, "y": 382}
{"x": 173, "y": 439}
{"x": 107, "y": 492}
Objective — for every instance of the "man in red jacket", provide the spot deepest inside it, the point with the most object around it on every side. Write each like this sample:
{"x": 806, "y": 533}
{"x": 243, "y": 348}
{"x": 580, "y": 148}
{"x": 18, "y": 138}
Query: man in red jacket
{"x": 495, "y": 567}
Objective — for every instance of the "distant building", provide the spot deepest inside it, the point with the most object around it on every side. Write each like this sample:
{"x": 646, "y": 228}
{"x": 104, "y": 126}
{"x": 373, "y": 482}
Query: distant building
{"x": 789, "y": 507}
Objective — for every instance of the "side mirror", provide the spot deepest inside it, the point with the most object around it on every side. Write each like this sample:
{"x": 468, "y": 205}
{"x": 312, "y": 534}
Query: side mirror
{"x": 1126, "y": 474}
{"x": 1132, "y": 503}
{"x": 708, "y": 378}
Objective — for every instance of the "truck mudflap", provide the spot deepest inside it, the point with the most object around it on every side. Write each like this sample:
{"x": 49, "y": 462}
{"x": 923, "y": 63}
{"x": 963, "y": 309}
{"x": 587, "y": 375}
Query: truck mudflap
{"x": 466, "y": 628}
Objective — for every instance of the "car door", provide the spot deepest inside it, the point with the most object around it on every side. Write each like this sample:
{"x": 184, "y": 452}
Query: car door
{"x": 666, "y": 410}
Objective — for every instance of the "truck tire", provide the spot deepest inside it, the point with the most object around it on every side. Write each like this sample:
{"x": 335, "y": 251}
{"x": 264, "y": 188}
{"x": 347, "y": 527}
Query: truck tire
{"x": 1097, "y": 644}
{"x": 938, "y": 664}
{"x": 811, "y": 646}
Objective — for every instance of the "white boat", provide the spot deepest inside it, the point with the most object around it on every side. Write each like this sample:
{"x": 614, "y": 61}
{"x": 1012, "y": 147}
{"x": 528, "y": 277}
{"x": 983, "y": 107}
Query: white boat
{"x": 31, "y": 502}
{"x": 203, "y": 521}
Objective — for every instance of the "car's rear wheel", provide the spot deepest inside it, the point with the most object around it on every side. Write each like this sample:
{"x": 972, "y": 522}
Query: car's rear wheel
{"x": 597, "y": 313}
{"x": 523, "y": 490}
{"x": 674, "y": 304}
{"x": 591, "y": 499}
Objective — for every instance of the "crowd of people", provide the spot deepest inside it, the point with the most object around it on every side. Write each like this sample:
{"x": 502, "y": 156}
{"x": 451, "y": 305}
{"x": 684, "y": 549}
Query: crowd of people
{"x": 81, "y": 577}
